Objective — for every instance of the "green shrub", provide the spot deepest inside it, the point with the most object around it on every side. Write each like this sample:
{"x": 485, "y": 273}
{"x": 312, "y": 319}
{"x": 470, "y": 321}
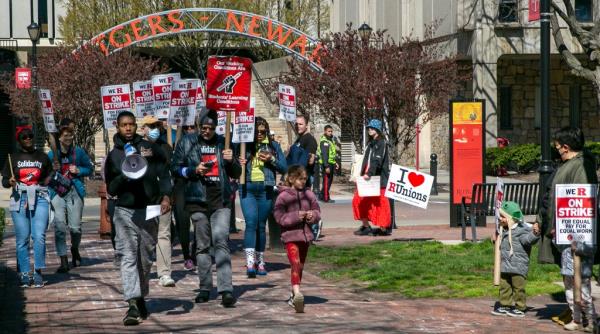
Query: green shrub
{"x": 526, "y": 157}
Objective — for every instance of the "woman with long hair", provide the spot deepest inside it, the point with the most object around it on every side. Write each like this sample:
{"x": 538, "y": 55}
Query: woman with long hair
{"x": 27, "y": 172}
{"x": 264, "y": 158}
{"x": 375, "y": 163}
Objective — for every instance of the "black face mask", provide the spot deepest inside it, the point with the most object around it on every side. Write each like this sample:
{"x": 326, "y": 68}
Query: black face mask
{"x": 554, "y": 155}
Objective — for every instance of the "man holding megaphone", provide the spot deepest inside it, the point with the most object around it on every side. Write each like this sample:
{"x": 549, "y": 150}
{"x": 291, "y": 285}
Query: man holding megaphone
{"x": 136, "y": 173}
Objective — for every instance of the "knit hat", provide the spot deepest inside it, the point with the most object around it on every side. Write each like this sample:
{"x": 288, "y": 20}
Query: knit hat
{"x": 375, "y": 124}
{"x": 512, "y": 210}
{"x": 209, "y": 118}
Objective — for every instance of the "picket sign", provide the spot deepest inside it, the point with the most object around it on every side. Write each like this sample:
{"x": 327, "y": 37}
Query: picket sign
{"x": 576, "y": 213}
{"x": 183, "y": 102}
{"x": 287, "y": 103}
{"x": 143, "y": 98}
{"x": 47, "y": 110}
{"x": 161, "y": 90}
{"x": 409, "y": 186}
{"x": 115, "y": 100}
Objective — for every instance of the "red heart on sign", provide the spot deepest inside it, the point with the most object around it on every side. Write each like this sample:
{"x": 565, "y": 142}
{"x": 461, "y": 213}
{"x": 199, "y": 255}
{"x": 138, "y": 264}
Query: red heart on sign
{"x": 415, "y": 179}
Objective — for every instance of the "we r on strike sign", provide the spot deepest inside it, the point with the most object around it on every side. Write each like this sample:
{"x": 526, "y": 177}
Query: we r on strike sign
{"x": 576, "y": 213}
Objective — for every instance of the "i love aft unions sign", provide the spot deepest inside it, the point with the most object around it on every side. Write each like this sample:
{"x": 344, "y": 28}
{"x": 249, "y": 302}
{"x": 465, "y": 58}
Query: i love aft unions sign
{"x": 409, "y": 186}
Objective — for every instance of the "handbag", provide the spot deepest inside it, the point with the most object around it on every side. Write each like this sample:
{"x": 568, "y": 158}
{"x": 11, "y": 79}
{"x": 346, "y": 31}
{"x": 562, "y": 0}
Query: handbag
{"x": 60, "y": 183}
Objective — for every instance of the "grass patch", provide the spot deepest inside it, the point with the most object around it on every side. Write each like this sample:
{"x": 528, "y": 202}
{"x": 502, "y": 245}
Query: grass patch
{"x": 426, "y": 269}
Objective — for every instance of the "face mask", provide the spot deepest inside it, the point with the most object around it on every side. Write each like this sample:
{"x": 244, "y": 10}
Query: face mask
{"x": 153, "y": 134}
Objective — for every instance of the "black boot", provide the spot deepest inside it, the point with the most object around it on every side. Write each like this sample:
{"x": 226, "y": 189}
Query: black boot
{"x": 64, "y": 265}
{"x": 141, "y": 304}
{"x": 132, "y": 317}
{"x": 76, "y": 257}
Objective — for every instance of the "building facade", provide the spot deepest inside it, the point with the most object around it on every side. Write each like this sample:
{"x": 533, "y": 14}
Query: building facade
{"x": 501, "y": 46}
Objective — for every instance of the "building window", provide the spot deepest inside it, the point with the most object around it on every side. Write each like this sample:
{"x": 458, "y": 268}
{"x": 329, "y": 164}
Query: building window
{"x": 506, "y": 108}
{"x": 583, "y": 10}
{"x": 508, "y": 11}
{"x": 43, "y": 17}
{"x": 575, "y": 106}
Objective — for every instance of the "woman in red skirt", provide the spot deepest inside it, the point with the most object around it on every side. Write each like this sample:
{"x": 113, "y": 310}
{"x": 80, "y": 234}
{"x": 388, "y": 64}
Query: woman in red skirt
{"x": 375, "y": 163}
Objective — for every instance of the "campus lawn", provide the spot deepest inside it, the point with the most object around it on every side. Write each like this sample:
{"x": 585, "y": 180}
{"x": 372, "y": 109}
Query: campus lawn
{"x": 426, "y": 269}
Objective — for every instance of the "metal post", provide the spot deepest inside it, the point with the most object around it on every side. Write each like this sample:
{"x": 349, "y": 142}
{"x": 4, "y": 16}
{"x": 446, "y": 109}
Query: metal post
{"x": 433, "y": 171}
{"x": 319, "y": 19}
{"x": 34, "y": 87}
{"x": 545, "y": 164}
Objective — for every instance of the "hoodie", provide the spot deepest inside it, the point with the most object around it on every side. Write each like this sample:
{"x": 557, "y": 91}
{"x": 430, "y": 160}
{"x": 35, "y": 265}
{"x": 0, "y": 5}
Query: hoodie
{"x": 288, "y": 203}
{"x": 147, "y": 190}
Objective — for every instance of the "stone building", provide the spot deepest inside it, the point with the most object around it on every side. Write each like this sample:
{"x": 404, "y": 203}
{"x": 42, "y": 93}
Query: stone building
{"x": 501, "y": 46}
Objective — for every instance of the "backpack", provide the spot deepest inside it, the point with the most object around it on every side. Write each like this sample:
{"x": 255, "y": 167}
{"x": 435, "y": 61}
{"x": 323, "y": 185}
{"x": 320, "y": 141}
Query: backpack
{"x": 297, "y": 156}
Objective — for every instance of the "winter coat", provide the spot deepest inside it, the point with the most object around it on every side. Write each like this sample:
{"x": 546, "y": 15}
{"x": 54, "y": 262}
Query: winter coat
{"x": 82, "y": 161}
{"x": 288, "y": 203}
{"x": 580, "y": 169}
{"x": 377, "y": 159}
{"x": 187, "y": 155}
{"x": 522, "y": 240}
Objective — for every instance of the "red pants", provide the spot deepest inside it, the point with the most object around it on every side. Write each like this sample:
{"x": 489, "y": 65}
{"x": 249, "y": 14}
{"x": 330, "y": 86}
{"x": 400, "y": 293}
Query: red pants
{"x": 296, "y": 252}
{"x": 375, "y": 209}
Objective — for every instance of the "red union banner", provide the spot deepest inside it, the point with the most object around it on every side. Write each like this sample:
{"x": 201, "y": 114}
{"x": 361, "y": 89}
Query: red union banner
{"x": 228, "y": 83}
{"x": 23, "y": 77}
{"x": 534, "y": 10}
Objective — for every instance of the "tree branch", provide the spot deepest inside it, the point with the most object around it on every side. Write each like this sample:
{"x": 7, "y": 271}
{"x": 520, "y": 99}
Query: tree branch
{"x": 574, "y": 63}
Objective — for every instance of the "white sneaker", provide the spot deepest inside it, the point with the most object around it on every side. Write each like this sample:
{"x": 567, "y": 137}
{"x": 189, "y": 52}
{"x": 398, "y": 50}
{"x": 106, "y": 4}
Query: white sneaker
{"x": 166, "y": 280}
{"x": 571, "y": 326}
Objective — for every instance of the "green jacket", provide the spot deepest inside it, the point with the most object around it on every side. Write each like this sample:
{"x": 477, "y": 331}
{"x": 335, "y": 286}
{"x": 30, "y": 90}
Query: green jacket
{"x": 328, "y": 150}
{"x": 579, "y": 169}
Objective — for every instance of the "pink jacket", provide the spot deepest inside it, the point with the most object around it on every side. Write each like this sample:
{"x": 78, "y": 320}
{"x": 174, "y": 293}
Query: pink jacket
{"x": 288, "y": 203}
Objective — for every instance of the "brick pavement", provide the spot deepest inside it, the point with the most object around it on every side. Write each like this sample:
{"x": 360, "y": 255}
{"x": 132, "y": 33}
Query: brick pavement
{"x": 88, "y": 300}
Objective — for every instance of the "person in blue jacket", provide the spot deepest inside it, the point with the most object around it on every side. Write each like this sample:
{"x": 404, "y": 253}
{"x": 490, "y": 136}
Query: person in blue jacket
{"x": 72, "y": 164}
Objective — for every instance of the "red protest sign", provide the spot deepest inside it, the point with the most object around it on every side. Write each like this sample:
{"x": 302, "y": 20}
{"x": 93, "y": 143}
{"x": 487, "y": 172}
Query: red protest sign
{"x": 161, "y": 89}
{"x": 575, "y": 213}
{"x": 143, "y": 97}
{"x": 23, "y": 78}
{"x": 534, "y": 10}
{"x": 228, "y": 83}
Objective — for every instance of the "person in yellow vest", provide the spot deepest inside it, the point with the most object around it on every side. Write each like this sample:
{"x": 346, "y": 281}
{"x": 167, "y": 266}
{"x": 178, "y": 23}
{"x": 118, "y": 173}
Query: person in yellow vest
{"x": 327, "y": 154}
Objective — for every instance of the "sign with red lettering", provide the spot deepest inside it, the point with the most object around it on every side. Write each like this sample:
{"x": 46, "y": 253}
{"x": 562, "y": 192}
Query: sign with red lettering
{"x": 534, "y": 10}
{"x": 115, "y": 100}
{"x": 409, "y": 186}
{"x": 23, "y": 77}
{"x": 47, "y": 110}
{"x": 576, "y": 213}
{"x": 221, "y": 121}
{"x": 287, "y": 103}
{"x": 143, "y": 98}
{"x": 498, "y": 204}
{"x": 200, "y": 98}
{"x": 161, "y": 89}
{"x": 228, "y": 83}
{"x": 183, "y": 102}
{"x": 243, "y": 125}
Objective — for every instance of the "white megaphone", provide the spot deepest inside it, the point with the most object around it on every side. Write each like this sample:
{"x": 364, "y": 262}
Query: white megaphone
{"x": 134, "y": 166}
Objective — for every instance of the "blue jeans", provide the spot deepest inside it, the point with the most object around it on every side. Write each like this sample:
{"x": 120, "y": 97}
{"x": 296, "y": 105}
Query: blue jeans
{"x": 31, "y": 224}
{"x": 257, "y": 204}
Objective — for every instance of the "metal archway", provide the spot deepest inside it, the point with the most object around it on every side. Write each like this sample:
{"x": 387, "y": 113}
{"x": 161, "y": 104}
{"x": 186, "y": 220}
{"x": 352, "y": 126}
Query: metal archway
{"x": 189, "y": 20}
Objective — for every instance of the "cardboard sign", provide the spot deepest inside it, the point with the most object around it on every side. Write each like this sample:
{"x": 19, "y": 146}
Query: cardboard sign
{"x": 47, "y": 110}
{"x": 183, "y": 102}
{"x": 287, "y": 103}
{"x": 228, "y": 83}
{"x": 498, "y": 204}
{"x": 576, "y": 213}
{"x": 161, "y": 90}
{"x": 143, "y": 98}
{"x": 409, "y": 186}
{"x": 115, "y": 100}
{"x": 243, "y": 125}
{"x": 23, "y": 77}
{"x": 221, "y": 120}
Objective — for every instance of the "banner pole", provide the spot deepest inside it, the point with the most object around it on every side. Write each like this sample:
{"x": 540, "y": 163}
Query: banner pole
{"x": 243, "y": 154}
{"x": 227, "y": 130}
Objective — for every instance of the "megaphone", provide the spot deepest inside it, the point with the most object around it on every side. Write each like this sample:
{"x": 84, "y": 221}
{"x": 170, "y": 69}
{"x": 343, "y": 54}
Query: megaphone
{"x": 134, "y": 166}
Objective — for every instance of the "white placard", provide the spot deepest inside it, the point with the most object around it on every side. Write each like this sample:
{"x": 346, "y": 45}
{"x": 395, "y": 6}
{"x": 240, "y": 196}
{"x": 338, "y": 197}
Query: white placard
{"x": 243, "y": 125}
{"x": 183, "y": 102}
{"x": 143, "y": 98}
{"x": 370, "y": 187}
{"x": 200, "y": 98}
{"x": 221, "y": 120}
{"x": 287, "y": 103}
{"x": 115, "y": 100}
{"x": 152, "y": 211}
{"x": 499, "y": 199}
{"x": 409, "y": 186}
{"x": 47, "y": 110}
{"x": 576, "y": 213}
{"x": 161, "y": 90}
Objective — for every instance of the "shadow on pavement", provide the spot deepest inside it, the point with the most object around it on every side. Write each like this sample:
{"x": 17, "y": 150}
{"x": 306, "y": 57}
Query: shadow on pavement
{"x": 12, "y": 305}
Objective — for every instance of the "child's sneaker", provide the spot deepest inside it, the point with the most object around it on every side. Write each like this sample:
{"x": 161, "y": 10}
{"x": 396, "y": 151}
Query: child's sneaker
{"x": 25, "y": 280}
{"x": 515, "y": 313}
{"x": 261, "y": 270}
{"x": 501, "y": 310}
{"x": 571, "y": 326}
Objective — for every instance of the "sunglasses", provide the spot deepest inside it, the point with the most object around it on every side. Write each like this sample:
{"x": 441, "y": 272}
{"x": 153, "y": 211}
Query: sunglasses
{"x": 187, "y": 127}
{"x": 26, "y": 136}
{"x": 207, "y": 128}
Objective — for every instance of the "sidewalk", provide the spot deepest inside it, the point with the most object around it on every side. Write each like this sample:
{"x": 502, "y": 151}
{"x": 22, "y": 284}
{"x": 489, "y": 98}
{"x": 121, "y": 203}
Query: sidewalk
{"x": 88, "y": 300}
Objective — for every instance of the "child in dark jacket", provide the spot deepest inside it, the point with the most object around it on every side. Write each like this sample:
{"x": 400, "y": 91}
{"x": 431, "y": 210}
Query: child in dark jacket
{"x": 295, "y": 210}
{"x": 516, "y": 239}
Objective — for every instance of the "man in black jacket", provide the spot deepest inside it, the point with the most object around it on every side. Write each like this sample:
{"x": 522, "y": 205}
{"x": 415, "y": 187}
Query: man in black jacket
{"x": 202, "y": 160}
{"x": 136, "y": 237}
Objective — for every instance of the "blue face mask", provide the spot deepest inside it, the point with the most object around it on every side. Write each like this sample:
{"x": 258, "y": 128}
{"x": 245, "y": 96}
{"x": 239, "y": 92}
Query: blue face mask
{"x": 153, "y": 134}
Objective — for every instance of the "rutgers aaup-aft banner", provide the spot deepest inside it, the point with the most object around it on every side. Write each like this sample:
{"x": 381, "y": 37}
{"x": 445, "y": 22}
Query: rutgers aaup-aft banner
{"x": 228, "y": 83}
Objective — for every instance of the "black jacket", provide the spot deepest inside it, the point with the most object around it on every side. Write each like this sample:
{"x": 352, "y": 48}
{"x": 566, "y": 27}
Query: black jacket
{"x": 142, "y": 192}
{"x": 377, "y": 158}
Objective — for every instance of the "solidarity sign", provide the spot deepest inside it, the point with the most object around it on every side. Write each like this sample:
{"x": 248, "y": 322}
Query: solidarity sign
{"x": 576, "y": 213}
{"x": 409, "y": 186}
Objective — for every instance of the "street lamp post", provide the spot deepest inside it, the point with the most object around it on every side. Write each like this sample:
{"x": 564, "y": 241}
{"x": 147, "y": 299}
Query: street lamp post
{"x": 34, "y": 35}
{"x": 545, "y": 164}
